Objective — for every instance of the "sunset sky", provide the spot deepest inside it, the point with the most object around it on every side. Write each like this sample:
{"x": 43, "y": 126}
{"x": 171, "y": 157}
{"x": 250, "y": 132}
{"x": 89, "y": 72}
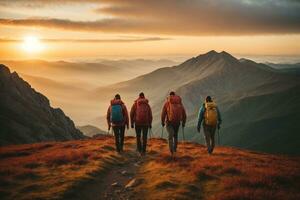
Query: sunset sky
{"x": 66, "y": 29}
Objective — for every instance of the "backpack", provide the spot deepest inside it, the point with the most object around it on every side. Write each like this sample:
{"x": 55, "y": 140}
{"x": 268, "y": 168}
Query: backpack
{"x": 211, "y": 114}
{"x": 174, "y": 109}
{"x": 142, "y": 111}
{"x": 116, "y": 113}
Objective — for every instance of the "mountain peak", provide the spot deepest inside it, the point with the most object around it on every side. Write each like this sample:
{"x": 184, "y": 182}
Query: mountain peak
{"x": 213, "y": 53}
{"x": 214, "y": 56}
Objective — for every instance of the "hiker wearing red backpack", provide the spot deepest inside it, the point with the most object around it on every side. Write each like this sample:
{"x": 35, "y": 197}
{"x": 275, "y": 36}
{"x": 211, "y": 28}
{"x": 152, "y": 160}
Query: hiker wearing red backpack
{"x": 117, "y": 118}
{"x": 173, "y": 113}
{"x": 141, "y": 120}
{"x": 212, "y": 120}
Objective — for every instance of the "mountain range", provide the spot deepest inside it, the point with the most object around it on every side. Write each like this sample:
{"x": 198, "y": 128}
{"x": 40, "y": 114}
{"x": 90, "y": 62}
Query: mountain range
{"x": 68, "y": 84}
{"x": 260, "y": 105}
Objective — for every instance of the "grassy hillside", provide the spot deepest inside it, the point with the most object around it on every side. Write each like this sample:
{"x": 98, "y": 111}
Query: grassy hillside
{"x": 90, "y": 169}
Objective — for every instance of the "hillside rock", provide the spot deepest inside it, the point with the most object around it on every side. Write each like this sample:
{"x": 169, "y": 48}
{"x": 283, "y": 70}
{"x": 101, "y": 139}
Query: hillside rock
{"x": 26, "y": 115}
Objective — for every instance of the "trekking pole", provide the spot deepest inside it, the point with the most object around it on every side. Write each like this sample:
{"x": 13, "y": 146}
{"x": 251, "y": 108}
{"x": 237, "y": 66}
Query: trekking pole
{"x": 150, "y": 135}
{"x": 219, "y": 137}
{"x": 183, "y": 134}
{"x": 183, "y": 138}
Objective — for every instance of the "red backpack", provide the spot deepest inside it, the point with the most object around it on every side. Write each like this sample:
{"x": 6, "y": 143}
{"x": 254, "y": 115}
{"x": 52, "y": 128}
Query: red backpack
{"x": 142, "y": 111}
{"x": 174, "y": 109}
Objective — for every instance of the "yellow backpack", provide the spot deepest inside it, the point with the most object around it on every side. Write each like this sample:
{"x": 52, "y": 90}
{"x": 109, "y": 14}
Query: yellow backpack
{"x": 211, "y": 114}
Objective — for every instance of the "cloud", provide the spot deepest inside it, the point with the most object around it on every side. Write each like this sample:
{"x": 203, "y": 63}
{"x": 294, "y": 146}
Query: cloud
{"x": 118, "y": 40}
{"x": 181, "y": 17}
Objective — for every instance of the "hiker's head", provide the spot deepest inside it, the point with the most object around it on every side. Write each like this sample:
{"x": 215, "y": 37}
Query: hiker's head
{"x": 172, "y": 93}
{"x": 117, "y": 96}
{"x": 141, "y": 95}
{"x": 208, "y": 99}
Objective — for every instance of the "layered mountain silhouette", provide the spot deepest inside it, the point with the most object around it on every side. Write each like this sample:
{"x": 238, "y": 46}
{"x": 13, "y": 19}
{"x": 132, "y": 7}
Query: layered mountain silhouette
{"x": 26, "y": 115}
{"x": 260, "y": 104}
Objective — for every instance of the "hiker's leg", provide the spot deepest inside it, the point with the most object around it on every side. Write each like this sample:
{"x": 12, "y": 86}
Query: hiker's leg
{"x": 116, "y": 134}
{"x": 176, "y": 129}
{"x": 145, "y": 135}
{"x": 122, "y": 134}
{"x": 207, "y": 137}
{"x": 170, "y": 130}
{"x": 138, "y": 131}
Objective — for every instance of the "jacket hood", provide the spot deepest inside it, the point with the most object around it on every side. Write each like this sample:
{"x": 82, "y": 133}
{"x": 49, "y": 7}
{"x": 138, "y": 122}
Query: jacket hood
{"x": 141, "y": 100}
{"x": 116, "y": 102}
{"x": 175, "y": 99}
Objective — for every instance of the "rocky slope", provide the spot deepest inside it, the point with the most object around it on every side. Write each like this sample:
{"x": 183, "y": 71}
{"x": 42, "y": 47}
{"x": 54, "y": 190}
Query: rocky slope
{"x": 26, "y": 115}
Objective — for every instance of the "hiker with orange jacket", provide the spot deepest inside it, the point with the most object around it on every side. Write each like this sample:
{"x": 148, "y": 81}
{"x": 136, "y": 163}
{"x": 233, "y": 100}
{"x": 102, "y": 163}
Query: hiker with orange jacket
{"x": 212, "y": 120}
{"x": 141, "y": 120}
{"x": 173, "y": 113}
{"x": 117, "y": 118}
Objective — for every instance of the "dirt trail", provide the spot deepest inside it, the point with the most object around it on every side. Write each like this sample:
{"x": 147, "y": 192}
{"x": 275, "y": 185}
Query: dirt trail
{"x": 111, "y": 184}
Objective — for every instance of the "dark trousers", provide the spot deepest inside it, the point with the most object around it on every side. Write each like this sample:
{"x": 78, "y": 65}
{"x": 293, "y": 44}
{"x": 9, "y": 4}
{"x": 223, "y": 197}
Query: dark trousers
{"x": 141, "y": 144}
{"x": 119, "y": 137}
{"x": 173, "y": 136}
{"x": 209, "y": 134}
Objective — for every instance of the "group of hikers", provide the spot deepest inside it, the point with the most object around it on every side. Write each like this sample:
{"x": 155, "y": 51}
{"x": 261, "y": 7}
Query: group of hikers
{"x": 172, "y": 116}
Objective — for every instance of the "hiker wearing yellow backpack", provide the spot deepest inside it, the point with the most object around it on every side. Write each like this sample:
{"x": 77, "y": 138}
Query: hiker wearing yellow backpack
{"x": 173, "y": 113}
{"x": 211, "y": 117}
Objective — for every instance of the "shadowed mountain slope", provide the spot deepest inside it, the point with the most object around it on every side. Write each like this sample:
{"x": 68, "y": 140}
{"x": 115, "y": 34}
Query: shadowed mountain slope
{"x": 26, "y": 115}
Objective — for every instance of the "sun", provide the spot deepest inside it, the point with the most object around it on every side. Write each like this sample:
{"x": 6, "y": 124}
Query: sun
{"x": 32, "y": 44}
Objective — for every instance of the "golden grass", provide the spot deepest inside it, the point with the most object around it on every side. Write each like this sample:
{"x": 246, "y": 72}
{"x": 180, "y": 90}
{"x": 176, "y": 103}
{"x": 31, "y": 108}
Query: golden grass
{"x": 50, "y": 170}
{"x": 228, "y": 174}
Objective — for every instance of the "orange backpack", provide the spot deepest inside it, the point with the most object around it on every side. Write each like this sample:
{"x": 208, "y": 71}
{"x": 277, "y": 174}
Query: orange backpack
{"x": 174, "y": 109}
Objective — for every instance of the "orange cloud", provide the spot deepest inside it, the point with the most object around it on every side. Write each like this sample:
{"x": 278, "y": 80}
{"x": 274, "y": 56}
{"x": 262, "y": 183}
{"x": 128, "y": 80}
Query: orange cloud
{"x": 177, "y": 17}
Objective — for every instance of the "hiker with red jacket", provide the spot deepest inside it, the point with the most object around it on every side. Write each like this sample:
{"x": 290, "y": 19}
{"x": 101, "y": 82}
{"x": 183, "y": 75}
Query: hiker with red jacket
{"x": 173, "y": 113}
{"x": 141, "y": 120}
{"x": 212, "y": 120}
{"x": 117, "y": 118}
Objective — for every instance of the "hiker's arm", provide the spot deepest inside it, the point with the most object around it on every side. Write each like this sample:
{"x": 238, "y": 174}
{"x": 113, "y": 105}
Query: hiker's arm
{"x": 200, "y": 116}
{"x": 219, "y": 116}
{"x": 132, "y": 114}
{"x": 126, "y": 116}
{"x": 108, "y": 117}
